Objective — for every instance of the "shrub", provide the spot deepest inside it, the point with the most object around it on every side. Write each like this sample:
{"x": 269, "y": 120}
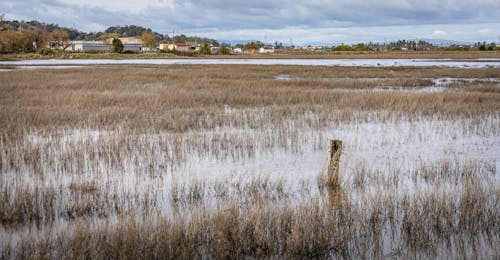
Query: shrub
{"x": 117, "y": 45}
{"x": 342, "y": 48}
{"x": 45, "y": 51}
{"x": 224, "y": 50}
{"x": 205, "y": 49}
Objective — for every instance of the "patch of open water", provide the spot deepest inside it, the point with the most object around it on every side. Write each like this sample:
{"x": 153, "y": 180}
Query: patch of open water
{"x": 471, "y": 63}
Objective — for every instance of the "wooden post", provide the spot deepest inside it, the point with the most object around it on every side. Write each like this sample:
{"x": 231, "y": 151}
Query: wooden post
{"x": 334, "y": 150}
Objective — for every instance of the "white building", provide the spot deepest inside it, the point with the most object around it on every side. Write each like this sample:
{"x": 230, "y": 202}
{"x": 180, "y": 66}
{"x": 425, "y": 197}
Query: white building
{"x": 101, "y": 46}
{"x": 89, "y": 45}
{"x": 182, "y": 47}
{"x": 135, "y": 47}
{"x": 268, "y": 50}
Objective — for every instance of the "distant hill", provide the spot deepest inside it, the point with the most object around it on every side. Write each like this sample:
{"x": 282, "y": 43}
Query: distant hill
{"x": 122, "y": 31}
{"x": 74, "y": 34}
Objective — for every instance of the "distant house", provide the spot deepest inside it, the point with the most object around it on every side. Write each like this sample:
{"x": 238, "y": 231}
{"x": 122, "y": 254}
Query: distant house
{"x": 125, "y": 40}
{"x": 266, "y": 50}
{"x": 88, "y": 45}
{"x": 134, "y": 47}
{"x": 182, "y": 47}
{"x": 100, "y": 46}
{"x": 130, "y": 40}
{"x": 164, "y": 46}
{"x": 132, "y": 44}
{"x": 214, "y": 50}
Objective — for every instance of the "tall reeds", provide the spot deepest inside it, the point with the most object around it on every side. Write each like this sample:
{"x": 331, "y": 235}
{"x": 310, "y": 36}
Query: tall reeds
{"x": 175, "y": 162}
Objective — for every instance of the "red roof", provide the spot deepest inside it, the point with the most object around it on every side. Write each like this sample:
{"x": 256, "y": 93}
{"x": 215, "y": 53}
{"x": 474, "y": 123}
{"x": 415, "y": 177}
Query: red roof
{"x": 182, "y": 44}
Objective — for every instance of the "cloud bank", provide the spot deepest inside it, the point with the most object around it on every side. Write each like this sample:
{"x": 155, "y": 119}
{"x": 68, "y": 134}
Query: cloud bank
{"x": 331, "y": 21}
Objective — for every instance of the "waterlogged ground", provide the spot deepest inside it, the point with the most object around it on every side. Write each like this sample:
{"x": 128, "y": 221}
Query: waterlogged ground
{"x": 295, "y": 158}
{"x": 461, "y": 63}
{"x": 161, "y": 164}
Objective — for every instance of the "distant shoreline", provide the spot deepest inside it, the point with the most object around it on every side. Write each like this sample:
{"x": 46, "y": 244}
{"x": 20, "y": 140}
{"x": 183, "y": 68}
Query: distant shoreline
{"x": 299, "y": 55}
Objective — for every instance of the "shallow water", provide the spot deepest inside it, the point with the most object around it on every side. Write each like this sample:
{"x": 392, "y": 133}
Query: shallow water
{"x": 472, "y": 63}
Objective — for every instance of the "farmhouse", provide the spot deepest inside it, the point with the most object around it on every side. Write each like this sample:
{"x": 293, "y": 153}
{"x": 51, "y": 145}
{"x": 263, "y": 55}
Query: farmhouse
{"x": 182, "y": 47}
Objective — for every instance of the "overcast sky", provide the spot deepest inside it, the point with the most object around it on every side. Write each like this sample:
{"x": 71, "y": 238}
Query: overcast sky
{"x": 296, "y": 21}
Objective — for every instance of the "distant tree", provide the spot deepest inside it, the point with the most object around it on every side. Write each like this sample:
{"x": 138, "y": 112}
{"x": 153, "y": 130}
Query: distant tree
{"x": 278, "y": 45}
{"x": 127, "y": 30}
{"x": 148, "y": 40}
{"x": 362, "y": 47}
{"x": 59, "y": 39}
{"x": 117, "y": 45}
{"x": 26, "y": 40}
{"x": 180, "y": 38}
{"x": 253, "y": 45}
{"x": 31, "y": 40}
{"x": 9, "y": 40}
{"x": 482, "y": 47}
{"x": 342, "y": 47}
{"x": 205, "y": 49}
{"x": 224, "y": 50}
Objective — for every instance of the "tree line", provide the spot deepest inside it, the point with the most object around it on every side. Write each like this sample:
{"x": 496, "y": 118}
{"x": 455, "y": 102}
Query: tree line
{"x": 30, "y": 36}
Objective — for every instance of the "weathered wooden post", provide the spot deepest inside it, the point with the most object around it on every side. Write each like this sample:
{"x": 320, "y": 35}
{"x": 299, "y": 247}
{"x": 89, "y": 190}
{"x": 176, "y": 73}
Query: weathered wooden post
{"x": 334, "y": 150}
{"x": 335, "y": 198}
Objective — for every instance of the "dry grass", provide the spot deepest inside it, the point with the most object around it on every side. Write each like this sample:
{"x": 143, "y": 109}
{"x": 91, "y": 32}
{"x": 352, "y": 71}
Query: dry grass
{"x": 101, "y": 162}
{"x": 182, "y": 98}
{"x": 421, "y": 224}
{"x": 280, "y": 54}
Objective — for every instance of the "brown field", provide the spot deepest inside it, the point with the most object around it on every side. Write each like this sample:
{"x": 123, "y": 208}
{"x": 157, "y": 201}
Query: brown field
{"x": 196, "y": 161}
{"x": 281, "y": 54}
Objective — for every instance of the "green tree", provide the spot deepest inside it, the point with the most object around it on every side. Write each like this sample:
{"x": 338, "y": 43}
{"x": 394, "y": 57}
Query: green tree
{"x": 342, "y": 47}
{"x": 205, "y": 49}
{"x": 482, "y": 47}
{"x": 362, "y": 47}
{"x": 117, "y": 45}
{"x": 253, "y": 45}
{"x": 224, "y": 50}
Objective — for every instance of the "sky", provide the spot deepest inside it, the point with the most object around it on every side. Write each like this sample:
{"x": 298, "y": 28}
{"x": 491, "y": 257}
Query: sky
{"x": 288, "y": 21}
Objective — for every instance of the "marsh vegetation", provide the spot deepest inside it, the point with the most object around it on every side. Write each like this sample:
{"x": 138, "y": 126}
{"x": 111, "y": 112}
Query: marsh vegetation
{"x": 229, "y": 161}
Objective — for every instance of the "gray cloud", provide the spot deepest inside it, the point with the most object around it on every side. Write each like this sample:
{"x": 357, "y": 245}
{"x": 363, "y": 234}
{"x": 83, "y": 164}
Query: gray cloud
{"x": 224, "y": 15}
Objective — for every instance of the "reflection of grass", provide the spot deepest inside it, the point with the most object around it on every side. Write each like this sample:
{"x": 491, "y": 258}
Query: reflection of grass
{"x": 429, "y": 223}
{"x": 91, "y": 164}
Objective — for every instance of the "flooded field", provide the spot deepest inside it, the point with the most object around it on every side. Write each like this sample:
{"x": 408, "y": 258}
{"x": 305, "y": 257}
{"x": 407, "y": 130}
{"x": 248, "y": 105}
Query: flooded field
{"x": 230, "y": 161}
{"x": 455, "y": 63}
